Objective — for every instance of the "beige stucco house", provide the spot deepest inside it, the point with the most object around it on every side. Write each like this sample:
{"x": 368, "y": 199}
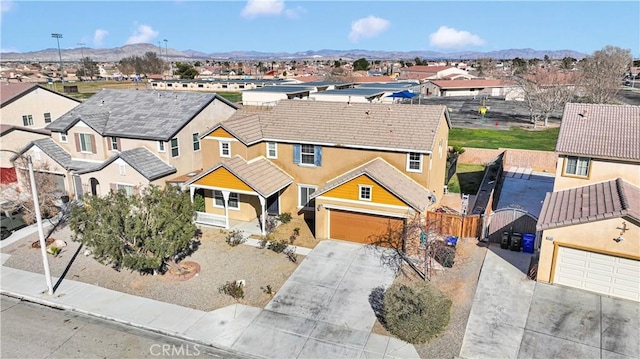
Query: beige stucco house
{"x": 127, "y": 139}
{"x": 590, "y": 224}
{"x": 349, "y": 170}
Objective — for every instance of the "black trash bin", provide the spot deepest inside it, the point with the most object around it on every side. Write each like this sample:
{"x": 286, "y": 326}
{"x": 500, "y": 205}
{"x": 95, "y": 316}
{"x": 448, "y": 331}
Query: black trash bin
{"x": 504, "y": 242}
{"x": 516, "y": 242}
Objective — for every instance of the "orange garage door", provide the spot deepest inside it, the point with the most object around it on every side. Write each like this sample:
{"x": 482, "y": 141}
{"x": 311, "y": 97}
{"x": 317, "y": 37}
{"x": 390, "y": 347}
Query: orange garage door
{"x": 360, "y": 227}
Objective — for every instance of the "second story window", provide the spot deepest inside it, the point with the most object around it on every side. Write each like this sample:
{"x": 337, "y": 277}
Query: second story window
{"x": 86, "y": 143}
{"x": 175, "y": 151}
{"x": 414, "y": 162}
{"x": 47, "y": 117}
{"x": 27, "y": 120}
{"x": 196, "y": 142}
{"x": 225, "y": 149}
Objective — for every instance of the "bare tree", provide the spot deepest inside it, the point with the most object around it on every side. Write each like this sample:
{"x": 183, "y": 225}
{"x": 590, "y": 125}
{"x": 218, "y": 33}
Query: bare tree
{"x": 602, "y": 73}
{"x": 545, "y": 90}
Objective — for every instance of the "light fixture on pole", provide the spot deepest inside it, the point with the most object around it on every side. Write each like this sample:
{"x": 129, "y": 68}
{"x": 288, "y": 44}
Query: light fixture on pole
{"x": 36, "y": 205}
{"x": 58, "y": 36}
{"x": 82, "y": 58}
{"x": 166, "y": 56}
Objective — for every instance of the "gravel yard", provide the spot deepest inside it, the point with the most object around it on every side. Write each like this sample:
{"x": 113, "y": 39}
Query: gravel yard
{"x": 218, "y": 262}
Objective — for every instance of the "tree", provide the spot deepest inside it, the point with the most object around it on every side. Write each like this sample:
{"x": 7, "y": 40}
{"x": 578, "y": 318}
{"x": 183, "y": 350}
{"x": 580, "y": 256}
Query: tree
{"x": 186, "y": 71}
{"x": 361, "y": 65}
{"x": 144, "y": 232}
{"x": 602, "y": 73}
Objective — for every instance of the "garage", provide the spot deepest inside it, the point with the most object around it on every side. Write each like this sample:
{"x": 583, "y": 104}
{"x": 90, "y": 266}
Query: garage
{"x": 360, "y": 227}
{"x": 600, "y": 273}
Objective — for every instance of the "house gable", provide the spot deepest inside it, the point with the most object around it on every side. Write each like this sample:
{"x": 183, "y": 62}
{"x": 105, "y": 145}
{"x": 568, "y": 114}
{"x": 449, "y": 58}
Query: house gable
{"x": 223, "y": 178}
{"x": 351, "y": 191}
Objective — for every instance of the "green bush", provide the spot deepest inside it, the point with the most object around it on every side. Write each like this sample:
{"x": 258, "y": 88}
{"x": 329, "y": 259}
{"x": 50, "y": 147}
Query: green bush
{"x": 415, "y": 313}
{"x": 285, "y": 217}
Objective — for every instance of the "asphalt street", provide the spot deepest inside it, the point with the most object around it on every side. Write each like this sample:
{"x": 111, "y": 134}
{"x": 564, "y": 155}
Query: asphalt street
{"x": 35, "y": 331}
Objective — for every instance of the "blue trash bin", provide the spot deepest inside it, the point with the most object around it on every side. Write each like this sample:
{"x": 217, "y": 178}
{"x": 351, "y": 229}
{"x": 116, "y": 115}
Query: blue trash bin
{"x": 528, "y": 242}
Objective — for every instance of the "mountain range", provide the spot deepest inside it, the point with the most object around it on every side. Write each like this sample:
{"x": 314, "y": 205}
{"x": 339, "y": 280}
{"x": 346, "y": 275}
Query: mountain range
{"x": 115, "y": 54}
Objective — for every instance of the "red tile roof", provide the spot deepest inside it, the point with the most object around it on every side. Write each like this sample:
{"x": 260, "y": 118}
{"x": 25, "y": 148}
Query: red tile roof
{"x": 595, "y": 202}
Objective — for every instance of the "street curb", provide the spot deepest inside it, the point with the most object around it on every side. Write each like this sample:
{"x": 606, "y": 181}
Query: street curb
{"x": 55, "y": 305}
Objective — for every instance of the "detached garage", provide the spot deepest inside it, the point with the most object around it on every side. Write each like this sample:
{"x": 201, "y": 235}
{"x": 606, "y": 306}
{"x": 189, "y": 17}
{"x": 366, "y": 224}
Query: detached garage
{"x": 591, "y": 239}
{"x": 360, "y": 227}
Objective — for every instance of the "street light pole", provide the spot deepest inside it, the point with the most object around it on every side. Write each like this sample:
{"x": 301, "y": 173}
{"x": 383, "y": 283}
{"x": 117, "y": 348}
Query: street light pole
{"x": 82, "y": 58}
{"x": 58, "y": 36}
{"x": 36, "y": 205}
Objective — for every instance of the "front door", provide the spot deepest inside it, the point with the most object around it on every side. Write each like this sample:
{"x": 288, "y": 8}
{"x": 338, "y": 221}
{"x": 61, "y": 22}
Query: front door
{"x": 273, "y": 204}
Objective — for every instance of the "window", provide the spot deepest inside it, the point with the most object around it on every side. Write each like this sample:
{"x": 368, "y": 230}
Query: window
{"x": 414, "y": 162}
{"x": 63, "y": 137}
{"x": 27, "y": 120}
{"x": 175, "y": 151}
{"x": 307, "y": 154}
{"x": 161, "y": 146}
{"x": 577, "y": 166}
{"x": 225, "y": 149}
{"x": 127, "y": 188}
{"x": 123, "y": 169}
{"x": 47, "y": 117}
{"x": 196, "y": 142}
{"x": 304, "y": 197}
{"x": 365, "y": 193}
{"x": 114, "y": 143}
{"x": 85, "y": 142}
{"x": 272, "y": 150}
{"x": 234, "y": 200}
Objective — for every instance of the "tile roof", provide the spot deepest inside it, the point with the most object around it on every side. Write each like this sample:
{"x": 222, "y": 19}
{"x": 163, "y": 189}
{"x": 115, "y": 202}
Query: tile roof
{"x": 394, "y": 181}
{"x": 449, "y": 84}
{"x": 260, "y": 174}
{"x": 594, "y": 202}
{"x": 599, "y": 130}
{"x": 9, "y": 92}
{"x": 357, "y": 125}
{"x": 137, "y": 114}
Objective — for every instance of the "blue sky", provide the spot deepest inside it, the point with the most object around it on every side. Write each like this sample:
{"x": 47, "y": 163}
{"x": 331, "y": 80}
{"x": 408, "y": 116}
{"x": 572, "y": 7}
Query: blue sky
{"x": 290, "y": 26}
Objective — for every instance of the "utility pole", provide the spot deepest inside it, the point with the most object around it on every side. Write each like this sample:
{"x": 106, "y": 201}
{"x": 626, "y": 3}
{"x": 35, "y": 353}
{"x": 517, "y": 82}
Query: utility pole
{"x": 84, "y": 70}
{"x": 166, "y": 56}
{"x": 58, "y": 36}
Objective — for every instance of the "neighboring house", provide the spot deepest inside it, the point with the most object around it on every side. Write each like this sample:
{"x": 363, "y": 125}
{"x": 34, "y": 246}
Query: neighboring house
{"x": 32, "y": 105}
{"x": 12, "y": 138}
{"x": 475, "y": 87}
{"x": 596, "y": 143}
{"x": 591, "y": 238}
{"x": 350, "y": 170}
{"x": 129, "y": 139}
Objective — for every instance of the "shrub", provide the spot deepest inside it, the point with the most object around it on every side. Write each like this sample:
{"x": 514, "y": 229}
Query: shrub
{"x": 285, "y": 217}
{"x": 233, "y": 289}
{"x": 415, "y": 314}
{"x": 235, "y": 237}
{"x": 277, "y": 247}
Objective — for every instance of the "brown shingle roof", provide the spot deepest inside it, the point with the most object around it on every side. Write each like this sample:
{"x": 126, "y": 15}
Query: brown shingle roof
{"x": 8, "y": 92}
{"x": 357, "y": 125}
{"x": 394, "y": 181}
{"x": 598, "y": 130}
{"x": 598, "y": 201}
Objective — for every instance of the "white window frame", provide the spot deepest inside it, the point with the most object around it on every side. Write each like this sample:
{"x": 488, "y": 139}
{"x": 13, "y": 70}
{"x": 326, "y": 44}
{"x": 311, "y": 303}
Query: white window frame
{"x": 218, "y": 195}
{"x": 222, "y": 149}
{"x": 307, "y": 188}
{"x": 578, "y": 161}
{"x": 63, "y": 137}
{"x": 82, "y": 137}
{"x": 27, "y": 120}
{"x": 47, "y": 114}
{"x": 114, "y": 143}
{"x": 360, "y": 192}
{"x": 196, "y": 141}
{"x": 161, "y": 146}
{"x": 123, "y": 169}
{"x": 410, "y": 161}
{"x": 312, "y": 154}
{"x": 177, "y": 147}
{"x": 274, "y": 149}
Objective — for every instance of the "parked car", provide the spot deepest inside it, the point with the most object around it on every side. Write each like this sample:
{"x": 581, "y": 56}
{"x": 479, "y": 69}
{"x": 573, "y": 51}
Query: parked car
{"x": 11, "y": 219}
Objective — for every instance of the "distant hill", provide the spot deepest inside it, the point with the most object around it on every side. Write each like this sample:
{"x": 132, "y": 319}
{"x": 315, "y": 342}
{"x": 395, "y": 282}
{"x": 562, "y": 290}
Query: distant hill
{"x": 115, "y": 54}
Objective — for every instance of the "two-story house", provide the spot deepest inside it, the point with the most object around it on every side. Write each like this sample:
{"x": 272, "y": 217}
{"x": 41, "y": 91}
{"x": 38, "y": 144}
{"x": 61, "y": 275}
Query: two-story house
{"x": 127, "y": 139}
{"x": 25, "y": 109}
{"x": 590, "y": 224}
{"x": 348, "y": 169}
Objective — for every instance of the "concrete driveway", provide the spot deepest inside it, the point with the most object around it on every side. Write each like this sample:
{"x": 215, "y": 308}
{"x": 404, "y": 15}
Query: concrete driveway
{"x": 514, "y": 317}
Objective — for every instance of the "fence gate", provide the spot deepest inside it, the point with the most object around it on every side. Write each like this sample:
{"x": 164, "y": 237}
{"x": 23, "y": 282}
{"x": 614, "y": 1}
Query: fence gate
{"x": 509, "y": 220}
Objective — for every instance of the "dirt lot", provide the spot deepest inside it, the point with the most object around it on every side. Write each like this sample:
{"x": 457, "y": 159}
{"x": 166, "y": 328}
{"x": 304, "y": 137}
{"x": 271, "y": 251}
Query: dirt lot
{"x": 218, "y": 262}
{"x": 459, "y": 284}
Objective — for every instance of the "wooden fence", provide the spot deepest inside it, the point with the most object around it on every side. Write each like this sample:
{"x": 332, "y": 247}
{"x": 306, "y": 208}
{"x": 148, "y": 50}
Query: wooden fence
{"x": 451, "y": 224}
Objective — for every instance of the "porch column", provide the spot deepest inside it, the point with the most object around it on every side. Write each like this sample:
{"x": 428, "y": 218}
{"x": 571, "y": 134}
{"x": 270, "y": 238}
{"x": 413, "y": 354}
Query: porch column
{"x": 263, "y": 206}
{"x": 225, "y": 195}
{"x": 192, "y": 191}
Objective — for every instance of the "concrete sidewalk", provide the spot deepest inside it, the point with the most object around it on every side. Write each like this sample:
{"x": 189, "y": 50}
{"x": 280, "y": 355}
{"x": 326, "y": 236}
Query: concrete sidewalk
{"x": 248, "y": 330}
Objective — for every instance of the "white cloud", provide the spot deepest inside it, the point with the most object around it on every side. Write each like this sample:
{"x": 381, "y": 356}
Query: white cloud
{"x": 448, "y": 38}
{"x": 255, "y": 8}
{"x": 98, "y": 36}
{"x": 368, "y": 27}
{"x": 142, "y": 34}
